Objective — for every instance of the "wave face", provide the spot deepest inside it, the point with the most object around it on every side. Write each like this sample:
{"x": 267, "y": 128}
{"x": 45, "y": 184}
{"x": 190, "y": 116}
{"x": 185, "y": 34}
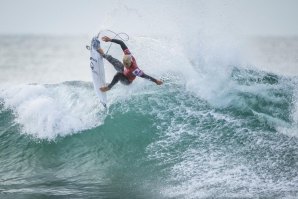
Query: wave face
{"x": 237, "y": 138}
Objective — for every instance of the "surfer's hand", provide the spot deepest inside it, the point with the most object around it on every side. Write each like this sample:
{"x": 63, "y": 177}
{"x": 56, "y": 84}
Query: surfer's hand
{"x": 158, "y": 82}
{"x": 106, "y": 39}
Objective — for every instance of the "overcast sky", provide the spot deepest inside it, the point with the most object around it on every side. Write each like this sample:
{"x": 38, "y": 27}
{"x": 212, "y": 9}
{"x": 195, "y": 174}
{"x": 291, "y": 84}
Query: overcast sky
{"x": 253, "y": 17}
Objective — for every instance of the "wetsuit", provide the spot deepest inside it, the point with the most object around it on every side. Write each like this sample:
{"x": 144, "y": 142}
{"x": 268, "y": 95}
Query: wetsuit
{"x": 125, "y": 75}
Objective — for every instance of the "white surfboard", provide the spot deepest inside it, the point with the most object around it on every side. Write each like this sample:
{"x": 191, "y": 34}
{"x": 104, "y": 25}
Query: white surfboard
{"x": 98, "y": 72}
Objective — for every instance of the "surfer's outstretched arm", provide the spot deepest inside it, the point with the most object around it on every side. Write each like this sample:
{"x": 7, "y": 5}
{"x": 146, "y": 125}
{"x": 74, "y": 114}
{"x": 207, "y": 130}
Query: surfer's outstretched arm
{"x": 121, "y": 43}
{"x": 117, "y": 41}
{"x": 145, "y": 76}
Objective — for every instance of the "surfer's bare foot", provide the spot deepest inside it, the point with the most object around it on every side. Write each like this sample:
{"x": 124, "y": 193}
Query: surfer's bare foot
{"x": 104, "y": 89}
{"x": 158, "y": 82}
{"x": 100, "y": 50}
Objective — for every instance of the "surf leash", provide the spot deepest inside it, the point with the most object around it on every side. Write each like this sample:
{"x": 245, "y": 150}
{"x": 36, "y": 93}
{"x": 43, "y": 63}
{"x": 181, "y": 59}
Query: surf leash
{"x": 119, "y": 35}
{"x": 122, "y": 35}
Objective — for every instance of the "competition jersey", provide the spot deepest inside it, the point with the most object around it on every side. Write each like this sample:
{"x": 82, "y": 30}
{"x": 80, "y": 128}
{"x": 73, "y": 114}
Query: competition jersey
{"x": 133, "y": 70}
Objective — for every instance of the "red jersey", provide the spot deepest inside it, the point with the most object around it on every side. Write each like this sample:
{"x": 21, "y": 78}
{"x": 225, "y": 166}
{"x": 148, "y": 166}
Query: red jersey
{"x": 133, "y": 70}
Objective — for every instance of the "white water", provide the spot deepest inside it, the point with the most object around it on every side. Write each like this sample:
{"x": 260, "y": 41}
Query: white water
{"x": 45, "y": 111}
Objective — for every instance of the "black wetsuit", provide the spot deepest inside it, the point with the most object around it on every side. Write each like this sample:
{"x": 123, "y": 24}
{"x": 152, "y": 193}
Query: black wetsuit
{"x": 119, "y": 67}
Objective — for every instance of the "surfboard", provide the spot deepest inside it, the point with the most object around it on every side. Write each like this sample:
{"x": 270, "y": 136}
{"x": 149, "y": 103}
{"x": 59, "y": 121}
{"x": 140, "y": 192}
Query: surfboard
{"x": 97, "y": 71}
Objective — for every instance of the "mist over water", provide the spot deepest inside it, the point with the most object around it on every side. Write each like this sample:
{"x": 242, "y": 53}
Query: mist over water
{"x": 223, "y": 125}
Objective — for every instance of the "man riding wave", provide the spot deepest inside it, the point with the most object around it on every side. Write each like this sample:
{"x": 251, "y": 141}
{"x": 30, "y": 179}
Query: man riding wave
{"x": 126, "y": 71}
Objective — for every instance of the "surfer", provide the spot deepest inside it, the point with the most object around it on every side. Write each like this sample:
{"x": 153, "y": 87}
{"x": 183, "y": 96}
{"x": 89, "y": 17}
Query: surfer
{"x": 126, "y": 71}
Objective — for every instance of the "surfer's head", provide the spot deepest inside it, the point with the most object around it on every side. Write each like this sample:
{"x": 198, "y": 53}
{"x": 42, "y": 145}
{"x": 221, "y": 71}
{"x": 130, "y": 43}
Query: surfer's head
{"x": 127, "y": 59}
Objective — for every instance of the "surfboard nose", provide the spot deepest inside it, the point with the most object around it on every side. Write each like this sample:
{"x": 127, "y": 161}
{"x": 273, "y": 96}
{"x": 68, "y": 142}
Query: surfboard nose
{"x": 95, "y": 43}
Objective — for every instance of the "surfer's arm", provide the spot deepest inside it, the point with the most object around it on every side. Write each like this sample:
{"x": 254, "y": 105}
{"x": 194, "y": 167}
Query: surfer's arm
{"x": 145, "y": 76}
{"x": 138, "y": 72}
{"x": 117, "y": 41}
{"x": 121, "y": 43}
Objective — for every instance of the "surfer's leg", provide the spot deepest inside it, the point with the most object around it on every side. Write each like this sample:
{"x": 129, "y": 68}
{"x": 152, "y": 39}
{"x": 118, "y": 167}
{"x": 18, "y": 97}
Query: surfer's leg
{"x": 119, "y": 76}
{"x": 124, "y": 80}
{"x": 115, "y": 62}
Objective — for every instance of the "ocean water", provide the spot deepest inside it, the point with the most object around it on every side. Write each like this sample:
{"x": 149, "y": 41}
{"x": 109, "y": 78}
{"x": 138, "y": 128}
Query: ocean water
{"x": 219, "y": 126}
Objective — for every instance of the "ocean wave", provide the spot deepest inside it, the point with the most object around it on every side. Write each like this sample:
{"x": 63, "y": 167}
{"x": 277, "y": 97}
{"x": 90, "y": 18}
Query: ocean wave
{"x": 178, "y": 142}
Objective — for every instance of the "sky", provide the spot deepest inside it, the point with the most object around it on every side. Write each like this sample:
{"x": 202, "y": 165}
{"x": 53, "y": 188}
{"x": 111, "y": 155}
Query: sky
{"x": 76, "y": 17}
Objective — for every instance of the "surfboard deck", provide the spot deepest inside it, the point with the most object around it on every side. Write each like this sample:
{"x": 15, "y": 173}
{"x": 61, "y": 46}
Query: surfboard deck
{"x": 98, "y": 73}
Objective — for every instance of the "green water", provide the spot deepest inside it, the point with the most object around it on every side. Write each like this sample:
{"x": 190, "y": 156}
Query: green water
{"x": 160, "y": 143}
